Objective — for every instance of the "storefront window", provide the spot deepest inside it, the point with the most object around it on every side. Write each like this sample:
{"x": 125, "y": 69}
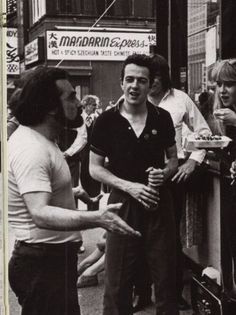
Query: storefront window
{"x": 124, "y": 8}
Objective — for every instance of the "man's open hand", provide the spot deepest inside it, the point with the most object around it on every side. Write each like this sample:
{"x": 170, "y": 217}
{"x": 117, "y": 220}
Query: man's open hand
{"x": 113, "y": 223}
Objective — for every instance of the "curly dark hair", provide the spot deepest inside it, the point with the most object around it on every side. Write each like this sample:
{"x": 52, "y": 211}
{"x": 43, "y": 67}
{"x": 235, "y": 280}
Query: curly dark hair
{"x": 139, "y": 60}
{"x": 39, "y": 96}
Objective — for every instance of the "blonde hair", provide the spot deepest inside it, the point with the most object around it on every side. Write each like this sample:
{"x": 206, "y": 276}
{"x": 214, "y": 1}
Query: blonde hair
{"x": 224, "y": 71}
{"x": 90, "y": 99}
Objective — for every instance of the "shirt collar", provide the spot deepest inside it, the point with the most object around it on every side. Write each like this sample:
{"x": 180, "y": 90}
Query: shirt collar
{"x": 120, "y": 102}
{"x": 85, "y": 115}
{"x": 168, "y": 92}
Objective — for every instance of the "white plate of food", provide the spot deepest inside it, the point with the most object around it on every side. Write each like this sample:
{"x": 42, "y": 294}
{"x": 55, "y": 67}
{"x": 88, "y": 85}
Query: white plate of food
{"x": 194, "y": 142}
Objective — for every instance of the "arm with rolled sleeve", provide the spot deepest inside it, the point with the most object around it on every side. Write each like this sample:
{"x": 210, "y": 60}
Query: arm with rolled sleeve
{"x": 197, "y": 124}
{"x": 79, "y": 142}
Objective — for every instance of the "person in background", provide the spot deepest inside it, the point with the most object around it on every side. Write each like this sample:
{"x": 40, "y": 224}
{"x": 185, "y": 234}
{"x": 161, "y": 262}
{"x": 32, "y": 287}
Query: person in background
{"x": 224, "y": 75}
{"x": 41, "y": 205}
{"x": 135, "y": 136}
{"x": 183, "y": 111}
{"x": 92, "y": 265}
{"x": 91, "y": 186}
{"x": 71, "y": 142}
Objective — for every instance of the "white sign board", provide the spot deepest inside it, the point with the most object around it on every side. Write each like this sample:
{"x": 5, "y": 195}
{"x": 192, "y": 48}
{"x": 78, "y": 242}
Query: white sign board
{"x": 78, "y": 45}
{"x": 12, "y": 57}
{"x": 32, "y": 52}
{"x": 211, "y": 46}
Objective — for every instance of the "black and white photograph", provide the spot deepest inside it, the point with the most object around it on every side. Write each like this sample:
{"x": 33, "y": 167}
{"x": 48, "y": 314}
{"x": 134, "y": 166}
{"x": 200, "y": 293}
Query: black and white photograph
{"x": 118, "y": 157}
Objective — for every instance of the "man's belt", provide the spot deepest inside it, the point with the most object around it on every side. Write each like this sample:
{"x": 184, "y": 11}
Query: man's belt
{"x": 50, "y": 247}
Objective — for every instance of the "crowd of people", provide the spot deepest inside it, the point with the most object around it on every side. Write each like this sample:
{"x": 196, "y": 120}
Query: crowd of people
{"x": 61, "y": 149}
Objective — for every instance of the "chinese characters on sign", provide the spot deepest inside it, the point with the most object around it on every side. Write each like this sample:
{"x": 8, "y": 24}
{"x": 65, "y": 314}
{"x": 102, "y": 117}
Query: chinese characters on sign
{"x": 12, "y": 57}
{"x": 71, "y": 45}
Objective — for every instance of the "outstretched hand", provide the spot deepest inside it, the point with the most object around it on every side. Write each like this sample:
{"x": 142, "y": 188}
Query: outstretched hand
{"x": 113, "y": 223}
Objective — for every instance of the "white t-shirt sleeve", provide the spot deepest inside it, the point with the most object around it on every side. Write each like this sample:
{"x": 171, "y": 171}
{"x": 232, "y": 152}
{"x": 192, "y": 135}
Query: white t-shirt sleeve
{"x": 32, "y": 170}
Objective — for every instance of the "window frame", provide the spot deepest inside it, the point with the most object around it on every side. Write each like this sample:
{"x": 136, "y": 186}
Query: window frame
{"x": 38, "y": 10}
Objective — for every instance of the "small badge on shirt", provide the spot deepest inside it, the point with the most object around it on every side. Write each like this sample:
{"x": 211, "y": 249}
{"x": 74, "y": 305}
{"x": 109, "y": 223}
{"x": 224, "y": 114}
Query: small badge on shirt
{"x": 146, "y": 136}
{"x": 154, "y": 132}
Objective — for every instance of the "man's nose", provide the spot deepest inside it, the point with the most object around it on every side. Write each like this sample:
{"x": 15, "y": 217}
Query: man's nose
{"x": 135, "y": 83}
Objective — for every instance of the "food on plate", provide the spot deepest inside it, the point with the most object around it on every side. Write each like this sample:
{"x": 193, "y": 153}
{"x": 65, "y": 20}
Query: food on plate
{"x": 208, "y": 138}
{"x": 204, "y": 142}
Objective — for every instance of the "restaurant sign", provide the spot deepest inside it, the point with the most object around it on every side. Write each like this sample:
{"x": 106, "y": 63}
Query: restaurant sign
{"x": 12, "y": 56}
{"x": 34, "y": 51}
{"x": 74, "y": 45}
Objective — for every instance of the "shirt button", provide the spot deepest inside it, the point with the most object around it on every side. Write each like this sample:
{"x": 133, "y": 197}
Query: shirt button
{"x": 129, "y": 128}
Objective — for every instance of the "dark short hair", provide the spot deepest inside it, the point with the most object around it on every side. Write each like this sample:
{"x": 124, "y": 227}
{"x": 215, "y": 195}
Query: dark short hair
{"x": 39, "y": 96}
{"x": 161, "y": 68}
{"x": 139, "y": 60}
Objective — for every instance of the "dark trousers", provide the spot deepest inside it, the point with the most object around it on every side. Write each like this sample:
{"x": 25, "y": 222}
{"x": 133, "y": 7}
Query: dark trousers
{"x": 157, "y": 244}
{"x": 178, "y": 194}
{"x": 92, "y": 187}
{"x": 44, "y": 278}
{"x": 142, "y": 280}
{"x": 143, "y": 284}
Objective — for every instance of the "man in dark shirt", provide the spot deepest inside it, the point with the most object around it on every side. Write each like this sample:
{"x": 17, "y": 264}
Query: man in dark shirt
{"x": 135, "y": 136}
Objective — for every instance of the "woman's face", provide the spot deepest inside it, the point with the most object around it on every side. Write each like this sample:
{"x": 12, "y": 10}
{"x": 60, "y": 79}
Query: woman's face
{"x": 227, "y": 93}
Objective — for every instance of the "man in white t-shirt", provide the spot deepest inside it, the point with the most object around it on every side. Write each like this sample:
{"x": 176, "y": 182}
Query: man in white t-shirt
{"x": 42, "y": 211}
